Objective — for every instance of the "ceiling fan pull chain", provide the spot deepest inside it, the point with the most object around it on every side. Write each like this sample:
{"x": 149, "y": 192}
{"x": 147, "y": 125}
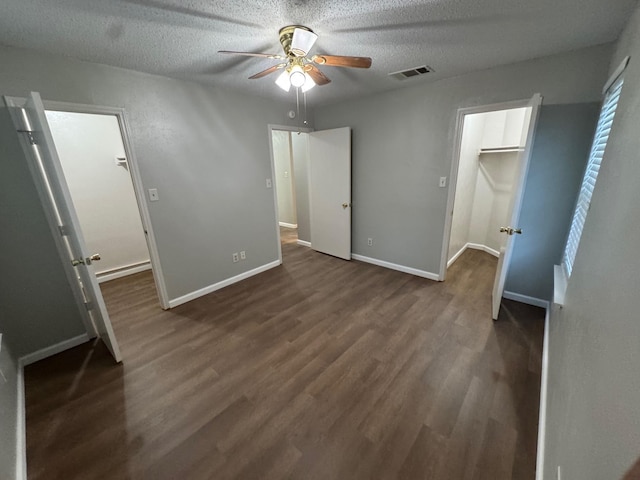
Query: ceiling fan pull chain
{"x": 298, "y": 107}
{"x": 304, "y": 98}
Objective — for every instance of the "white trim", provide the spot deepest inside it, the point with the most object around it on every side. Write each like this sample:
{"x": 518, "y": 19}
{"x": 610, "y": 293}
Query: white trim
{"x": 288, "y": 225}
{"x": 542, "y": 416}
{"x": 453, "y": 174}
{"x": 457, "y": 255}
{"x": 536, "y": 302}
{"x": 559, "y": 285}
{"x": 123, "y": 272}
{"x": 53, "y": 349}
{"x": 616, "y": 73}
{"x": 136, "y": 179}
{"x": 395, "y": 266}
{"x": 21, "y": 425}
{"x": 304, "y": 243}
{"x": 224, "y": 283}
{"x": 484, "y": 248}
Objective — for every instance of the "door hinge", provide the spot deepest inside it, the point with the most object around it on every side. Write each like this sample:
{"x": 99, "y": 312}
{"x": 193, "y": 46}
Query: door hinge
{"x": 30, "y": 136}
{"x": 64, "y": 230}
{"x": 88, "y": 306}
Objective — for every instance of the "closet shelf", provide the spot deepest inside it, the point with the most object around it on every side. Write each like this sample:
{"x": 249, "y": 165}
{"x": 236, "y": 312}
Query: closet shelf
{"x": 515, "y": 148}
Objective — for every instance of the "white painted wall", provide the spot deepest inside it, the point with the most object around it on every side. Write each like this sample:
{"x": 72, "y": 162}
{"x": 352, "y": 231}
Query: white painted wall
{"x": 300, "y": 149}
{"x": 284, "y": 176}
{"x": 102, "y": 191}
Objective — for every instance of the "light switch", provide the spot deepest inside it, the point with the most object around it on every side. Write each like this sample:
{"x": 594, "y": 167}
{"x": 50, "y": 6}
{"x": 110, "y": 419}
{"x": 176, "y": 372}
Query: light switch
{"x": 153, "y": 195}
{"x": 268, "y": 183}
{"x": 286, "y": 174}
{"x": 443, "y": 181}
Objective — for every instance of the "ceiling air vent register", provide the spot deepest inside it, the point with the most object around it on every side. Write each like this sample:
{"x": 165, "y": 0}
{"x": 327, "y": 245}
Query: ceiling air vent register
{"x": 411, "y": 72}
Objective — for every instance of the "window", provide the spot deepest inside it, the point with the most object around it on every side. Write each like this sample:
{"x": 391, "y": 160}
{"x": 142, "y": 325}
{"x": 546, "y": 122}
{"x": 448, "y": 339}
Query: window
{"x": 598, "y": 146}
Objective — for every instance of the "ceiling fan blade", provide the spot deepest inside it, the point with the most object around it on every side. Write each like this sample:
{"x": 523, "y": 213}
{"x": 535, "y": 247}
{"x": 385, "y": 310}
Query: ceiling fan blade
{"x": 317, "y": 76}
{"x": 251, "y": 54}
{"x": 269, "y": 70}
{"x": 342, "y": 61}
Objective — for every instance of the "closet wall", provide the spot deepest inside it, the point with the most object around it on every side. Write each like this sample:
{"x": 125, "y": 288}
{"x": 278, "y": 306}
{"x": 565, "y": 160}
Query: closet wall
{"x": 486, "y": 176}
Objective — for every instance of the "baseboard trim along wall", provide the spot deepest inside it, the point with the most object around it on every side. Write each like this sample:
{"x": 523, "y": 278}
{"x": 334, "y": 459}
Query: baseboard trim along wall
{"x": 123, "y": 272}
{"x": 21, "y": 426}
{"x": 288, "y": 225}
{"x": 304, "y": 243}
{"x": 536, "y": 302}
{"x": 394, "y": 266}
{"x": 475, "y": 246}
{"x": 217, "y": 286}
{"x": 53, "y": 349}
{"x": 542, "y": 417}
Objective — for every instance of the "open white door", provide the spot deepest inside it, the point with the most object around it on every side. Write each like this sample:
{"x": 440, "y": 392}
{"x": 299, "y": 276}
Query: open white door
{"x": 330, "y": 191}
{"x": 515, "y": 205}
{"x": 40, "y": 152}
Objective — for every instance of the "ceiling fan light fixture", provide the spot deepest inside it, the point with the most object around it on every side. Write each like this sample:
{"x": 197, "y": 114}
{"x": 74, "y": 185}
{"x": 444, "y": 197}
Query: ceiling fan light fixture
{"x": 308, "y": 83}
{"x": 283, "y": 81}
{"x": 302, "y": 42}
{"x": 297, "y": 76}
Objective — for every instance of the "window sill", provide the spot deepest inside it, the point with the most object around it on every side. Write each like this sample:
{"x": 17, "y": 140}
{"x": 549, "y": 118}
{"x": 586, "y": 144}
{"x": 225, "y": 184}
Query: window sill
{"x": 559, "y": 285}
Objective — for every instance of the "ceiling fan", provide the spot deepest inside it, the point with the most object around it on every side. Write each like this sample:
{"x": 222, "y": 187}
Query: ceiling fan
{"x": 300, "y": 71}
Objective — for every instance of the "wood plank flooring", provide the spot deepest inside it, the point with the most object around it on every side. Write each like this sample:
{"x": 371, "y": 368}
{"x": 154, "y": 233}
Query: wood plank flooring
{"x": 317, "y": 369}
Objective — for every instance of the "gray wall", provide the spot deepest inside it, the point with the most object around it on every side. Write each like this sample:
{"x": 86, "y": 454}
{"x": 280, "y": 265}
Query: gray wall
{"x": 403, "y": 143}
{"x": 205, "y": 150}
{"x": 593, "y": 422}
{"x": 558, "y": 159}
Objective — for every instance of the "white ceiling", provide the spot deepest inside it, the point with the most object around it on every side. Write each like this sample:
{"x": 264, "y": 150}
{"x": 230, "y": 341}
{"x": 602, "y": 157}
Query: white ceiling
{"x": 180, "y": 38}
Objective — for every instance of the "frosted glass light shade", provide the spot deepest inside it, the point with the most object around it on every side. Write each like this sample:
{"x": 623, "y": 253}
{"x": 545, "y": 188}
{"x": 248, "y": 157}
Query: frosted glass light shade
{"x": 308, "y": 83}
{"x": 283, "y": 81}
{"x": 296, "y": 76}
{"x": 302, "y": 42}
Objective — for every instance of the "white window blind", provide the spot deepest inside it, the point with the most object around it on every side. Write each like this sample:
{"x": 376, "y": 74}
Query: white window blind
{"x": 598, "y": 146}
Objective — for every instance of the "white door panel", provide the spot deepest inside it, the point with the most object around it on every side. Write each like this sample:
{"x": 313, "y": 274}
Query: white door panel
{"x": 31, "y": 124}
{"x": 330, "y": 191}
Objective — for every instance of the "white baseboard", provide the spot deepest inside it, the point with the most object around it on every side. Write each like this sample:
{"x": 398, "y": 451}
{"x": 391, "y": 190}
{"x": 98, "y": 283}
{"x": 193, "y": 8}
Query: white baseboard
{"x": 288, "y": 225}
{"x": 478, "y": 246}
{"x": 304, "y": 243}
{"x": 394, "y": 266}
{"x": 123, "y": 272}
{"x": 457, "y": 255}
{"x": 217, "y": 286}
{"x": 542, "y": 418}
{"x": 53, "y": 349}
{"x": 536, "y": 302}
{"x": 21, "y": 426}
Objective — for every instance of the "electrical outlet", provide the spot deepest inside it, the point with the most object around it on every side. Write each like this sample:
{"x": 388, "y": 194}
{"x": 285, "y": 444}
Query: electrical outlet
{"x": 268, "y": 183}
{"x": 443, "y": 182}
{"x": 370, "y": 242}
{"x": 243, "y": 255}
{"x": 235, "y": 258}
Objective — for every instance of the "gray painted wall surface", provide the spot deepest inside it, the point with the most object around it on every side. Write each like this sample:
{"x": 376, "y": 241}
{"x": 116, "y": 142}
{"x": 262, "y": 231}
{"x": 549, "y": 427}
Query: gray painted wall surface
{"x": 8, "y": 410}
{"x": 300, "y": 148}
{"x": 558, "y": 159}
{"x": 593, "y": 422}
{"x": 205, "y": 150}
{"x": 37, "y": 306}
{"x": 403, "y": 143}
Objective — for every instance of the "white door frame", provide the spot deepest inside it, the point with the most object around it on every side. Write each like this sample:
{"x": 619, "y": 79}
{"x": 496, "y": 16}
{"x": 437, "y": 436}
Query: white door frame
{"x": 138, "y": 187}
{"x": 453, "y": 175}
{"x": 287, "y": 128}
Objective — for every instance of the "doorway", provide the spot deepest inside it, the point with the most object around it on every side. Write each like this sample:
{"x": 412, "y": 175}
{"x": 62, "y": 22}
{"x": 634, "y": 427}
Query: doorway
{"x": 99, "y": 167}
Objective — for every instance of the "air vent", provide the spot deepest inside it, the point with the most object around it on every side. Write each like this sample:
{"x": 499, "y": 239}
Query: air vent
{"x": 412, "y": 72}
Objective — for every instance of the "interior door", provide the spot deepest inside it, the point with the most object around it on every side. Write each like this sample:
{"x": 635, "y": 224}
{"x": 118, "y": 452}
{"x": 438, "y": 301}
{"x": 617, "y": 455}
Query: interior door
{"x": 515, "y": 205}
{"x": 31, "y": 124}
{"x": 330, "y": 191}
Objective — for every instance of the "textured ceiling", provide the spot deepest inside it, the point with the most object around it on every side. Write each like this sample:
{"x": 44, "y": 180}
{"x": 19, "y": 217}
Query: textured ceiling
{"x": 180, "y": 38}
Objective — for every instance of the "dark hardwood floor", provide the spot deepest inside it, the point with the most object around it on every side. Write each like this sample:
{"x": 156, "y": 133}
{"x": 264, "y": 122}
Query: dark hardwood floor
{"x": 317, "y": 369}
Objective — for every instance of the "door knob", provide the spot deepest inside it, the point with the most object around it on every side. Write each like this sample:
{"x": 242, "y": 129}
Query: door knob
{"x": 85, "y": 261}
{"x": 345, "y": 205}
{"x": 510, "y": 230}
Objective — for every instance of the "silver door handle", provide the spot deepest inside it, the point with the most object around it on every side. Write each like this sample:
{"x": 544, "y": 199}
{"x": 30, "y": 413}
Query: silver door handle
{"x": 510, "y": 230}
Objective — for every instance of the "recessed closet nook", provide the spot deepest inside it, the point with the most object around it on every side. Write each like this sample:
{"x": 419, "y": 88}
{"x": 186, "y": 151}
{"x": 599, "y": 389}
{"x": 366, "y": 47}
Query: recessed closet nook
{"x": 486, "y": 179}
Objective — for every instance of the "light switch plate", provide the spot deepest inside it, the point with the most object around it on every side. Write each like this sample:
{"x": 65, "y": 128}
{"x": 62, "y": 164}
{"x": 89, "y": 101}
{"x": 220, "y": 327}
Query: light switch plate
{"x": 443, "y": 182}
{"x": 268, "y": 183}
